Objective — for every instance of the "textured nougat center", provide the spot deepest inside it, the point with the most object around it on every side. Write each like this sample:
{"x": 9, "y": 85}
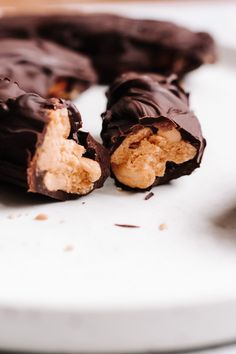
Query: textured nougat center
{"x": 61, "y": 161}
{"x": 142, "y": 157}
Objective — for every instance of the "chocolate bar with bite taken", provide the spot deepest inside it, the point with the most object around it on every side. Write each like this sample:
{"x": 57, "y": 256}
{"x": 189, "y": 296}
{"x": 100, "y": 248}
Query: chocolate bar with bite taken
{"x": 150, "y": 131}
{"x": 42, "y": 148}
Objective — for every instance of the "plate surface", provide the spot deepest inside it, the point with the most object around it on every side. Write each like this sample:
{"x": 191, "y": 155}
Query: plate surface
{"x": 77, "y": 283}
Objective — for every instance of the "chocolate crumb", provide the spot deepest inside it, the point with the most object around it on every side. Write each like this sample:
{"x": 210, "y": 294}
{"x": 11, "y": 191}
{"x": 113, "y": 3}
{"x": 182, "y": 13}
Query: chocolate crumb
{"x": 83, "y": 202}
{"x": 162, "y": 227}
{"x": 149, "y": 195}
{"x": 68, "y": 248}
{"x": 41, "y": 217}
{"x": 127, "y": 225}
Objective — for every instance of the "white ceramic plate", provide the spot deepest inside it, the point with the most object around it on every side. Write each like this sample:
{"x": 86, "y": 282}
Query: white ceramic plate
{"x": 77, "y": 283}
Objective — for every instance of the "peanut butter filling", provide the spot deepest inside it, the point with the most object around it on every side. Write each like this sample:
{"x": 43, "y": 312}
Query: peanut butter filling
{"x": 60, "y": 159}
{"x": 142, "y": 157}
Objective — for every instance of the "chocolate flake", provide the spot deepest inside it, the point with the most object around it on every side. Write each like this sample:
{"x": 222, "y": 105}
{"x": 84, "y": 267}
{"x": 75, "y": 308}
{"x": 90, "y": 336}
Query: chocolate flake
{"x": 128, "y": 226}
{"x": 149, "y": 195}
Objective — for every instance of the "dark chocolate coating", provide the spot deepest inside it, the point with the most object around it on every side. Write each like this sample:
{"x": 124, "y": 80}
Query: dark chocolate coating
{"x": 96, "y": 152}
{"x": 117, "y": 44}
{"x": 136, "y": 101}
{"x": 23, "y": 121}
{"x": 37, "y": 65}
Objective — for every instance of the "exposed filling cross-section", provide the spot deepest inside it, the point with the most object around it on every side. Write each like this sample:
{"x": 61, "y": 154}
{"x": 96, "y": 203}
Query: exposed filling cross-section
{"x": 142, "y": 157}
{"x": 61, "y": 161}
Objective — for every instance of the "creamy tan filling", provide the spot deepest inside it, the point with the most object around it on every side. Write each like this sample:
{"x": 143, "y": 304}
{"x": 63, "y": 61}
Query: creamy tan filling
{"x": 61, "y": 161}
{"x": 142, "y": 157}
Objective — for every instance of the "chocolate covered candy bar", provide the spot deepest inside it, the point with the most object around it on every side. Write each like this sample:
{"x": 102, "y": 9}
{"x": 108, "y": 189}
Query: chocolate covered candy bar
{"x": 45, "y": 68}
{"x": 42, "y": 148}
{"x": 151, "y": 134}
{"x": 118, "y": 44}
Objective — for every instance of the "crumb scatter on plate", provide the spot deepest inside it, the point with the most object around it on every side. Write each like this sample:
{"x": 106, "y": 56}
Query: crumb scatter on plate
{"x": 162, "y": 227}
{"x": 68, "y": 248}
{"x": 11, "y": 216}
{"x": 14, "y": 216}
{"x": 41, "y": 217}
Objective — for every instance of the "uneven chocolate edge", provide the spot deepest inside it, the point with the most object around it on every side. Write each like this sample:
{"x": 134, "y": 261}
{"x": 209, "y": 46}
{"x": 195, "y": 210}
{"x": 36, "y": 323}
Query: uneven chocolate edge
{"x": 98, "y": 153}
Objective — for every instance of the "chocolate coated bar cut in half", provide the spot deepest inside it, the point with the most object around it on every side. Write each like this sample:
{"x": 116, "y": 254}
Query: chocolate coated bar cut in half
{"x": 118, "y": 44}
{"x": 151, "y": 133}
{"x": 42, "y": 148}
{"x": 45, "y": 68}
